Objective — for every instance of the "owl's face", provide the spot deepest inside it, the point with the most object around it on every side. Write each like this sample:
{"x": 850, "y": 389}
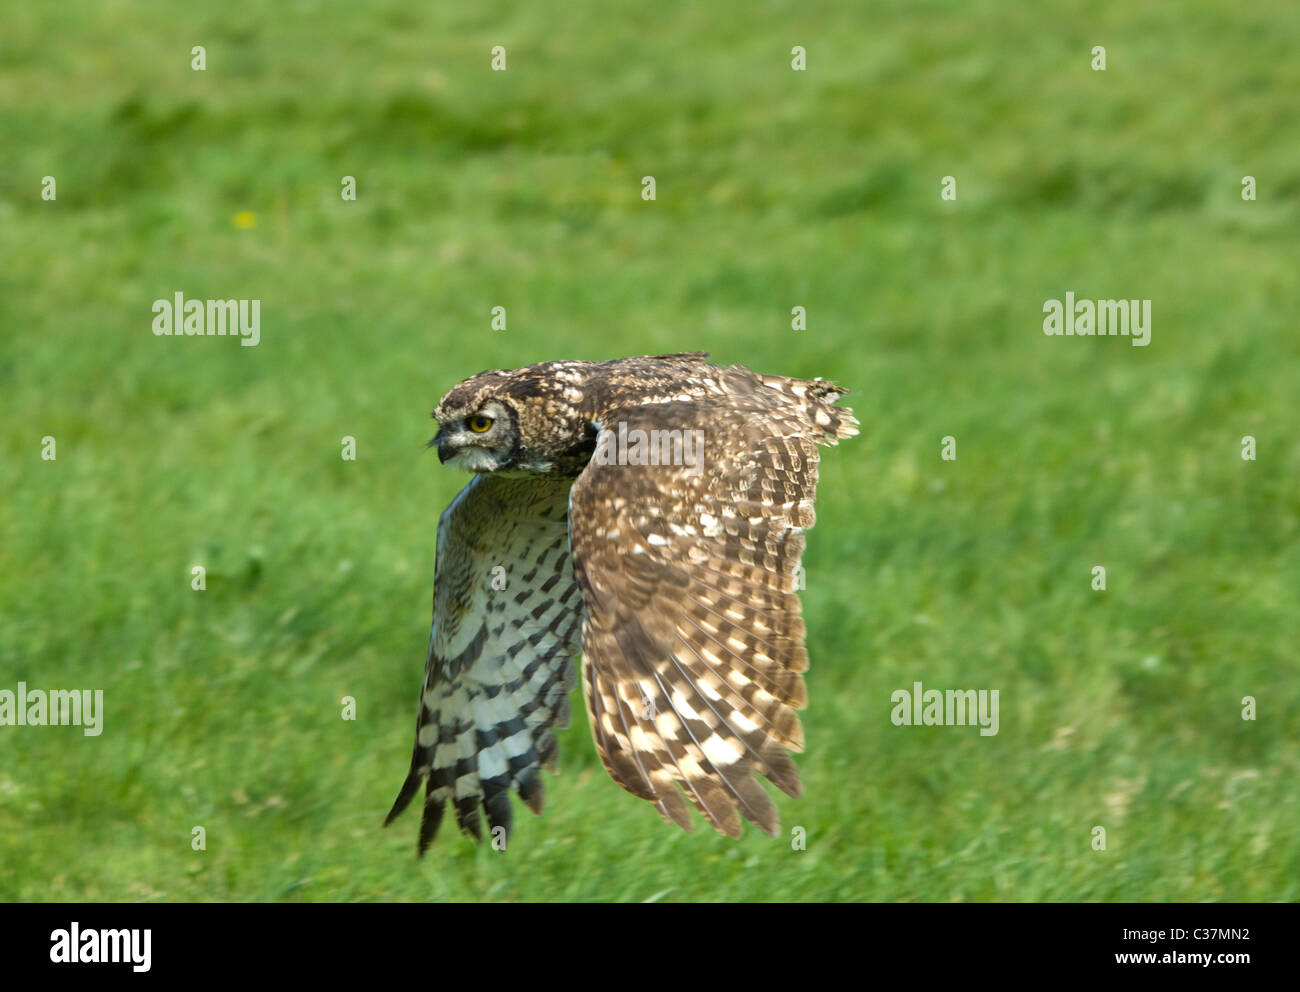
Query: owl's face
{"x": 527, "y": 421}
{"x": 483, "y": 437}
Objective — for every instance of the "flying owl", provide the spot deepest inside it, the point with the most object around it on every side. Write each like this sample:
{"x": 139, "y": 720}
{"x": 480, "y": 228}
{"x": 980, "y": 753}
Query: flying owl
{"x": 644, "y": 513}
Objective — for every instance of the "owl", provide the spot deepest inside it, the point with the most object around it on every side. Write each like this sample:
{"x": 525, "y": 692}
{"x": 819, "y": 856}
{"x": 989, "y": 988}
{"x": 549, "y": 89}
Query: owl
{"x": 647, "y": 514}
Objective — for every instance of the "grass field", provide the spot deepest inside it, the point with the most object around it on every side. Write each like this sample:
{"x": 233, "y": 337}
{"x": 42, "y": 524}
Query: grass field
{"x": 775, "y": 188}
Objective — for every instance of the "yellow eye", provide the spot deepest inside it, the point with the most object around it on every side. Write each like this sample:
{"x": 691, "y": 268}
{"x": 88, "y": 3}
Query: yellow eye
{"x": 479, "y": 423}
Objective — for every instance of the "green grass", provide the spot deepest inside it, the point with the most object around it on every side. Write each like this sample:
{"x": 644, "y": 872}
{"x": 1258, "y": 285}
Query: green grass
{"x": 775, "y": 188}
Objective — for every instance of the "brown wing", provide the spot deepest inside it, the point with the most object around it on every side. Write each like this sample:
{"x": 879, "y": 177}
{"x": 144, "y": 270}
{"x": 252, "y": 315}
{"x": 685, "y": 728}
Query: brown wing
{"x": 693, "y": 640}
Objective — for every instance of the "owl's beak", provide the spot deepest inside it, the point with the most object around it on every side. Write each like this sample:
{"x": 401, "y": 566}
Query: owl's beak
{"x": 445, "y": 448}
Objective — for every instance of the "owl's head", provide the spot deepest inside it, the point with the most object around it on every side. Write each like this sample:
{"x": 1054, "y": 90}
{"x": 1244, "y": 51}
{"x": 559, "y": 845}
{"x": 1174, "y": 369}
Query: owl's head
{"x": 478, "y": 437}
{"x": 515, "y": 422}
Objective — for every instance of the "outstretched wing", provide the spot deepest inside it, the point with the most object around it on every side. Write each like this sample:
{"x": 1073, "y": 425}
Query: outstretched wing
{"x": 506, "y": 628}
{"x": 693, "y": 641}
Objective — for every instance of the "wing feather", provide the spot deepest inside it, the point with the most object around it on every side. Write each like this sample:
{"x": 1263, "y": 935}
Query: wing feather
{"x": 500, "y": 662}
{"x": 689, "y": 573}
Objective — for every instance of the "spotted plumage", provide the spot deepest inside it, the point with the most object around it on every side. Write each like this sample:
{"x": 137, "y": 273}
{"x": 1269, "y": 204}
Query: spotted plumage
{"x": 649, "y": 514}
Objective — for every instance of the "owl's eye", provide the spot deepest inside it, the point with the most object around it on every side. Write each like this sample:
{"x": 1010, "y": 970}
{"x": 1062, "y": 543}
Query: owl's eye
{"x": 479, "y": 423}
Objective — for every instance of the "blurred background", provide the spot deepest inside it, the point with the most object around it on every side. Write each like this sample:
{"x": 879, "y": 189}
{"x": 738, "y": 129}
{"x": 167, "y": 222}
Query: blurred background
{"x": 775, "y": 188}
